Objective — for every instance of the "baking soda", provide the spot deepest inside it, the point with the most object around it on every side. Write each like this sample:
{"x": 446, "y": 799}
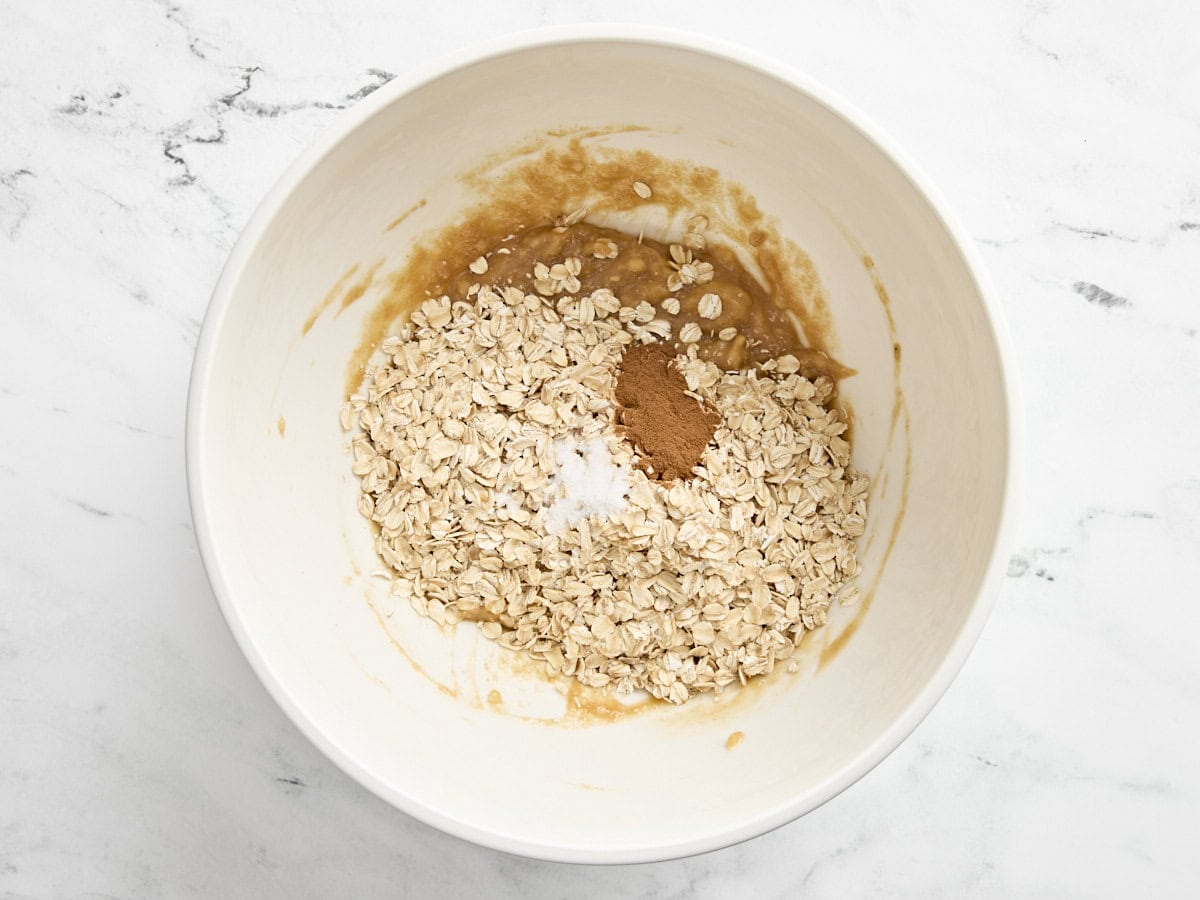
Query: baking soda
{"x": 586, "y": 483}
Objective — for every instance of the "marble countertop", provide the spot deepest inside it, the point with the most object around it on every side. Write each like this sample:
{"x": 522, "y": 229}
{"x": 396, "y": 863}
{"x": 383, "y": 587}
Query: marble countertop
{"x": 140, "y": 757}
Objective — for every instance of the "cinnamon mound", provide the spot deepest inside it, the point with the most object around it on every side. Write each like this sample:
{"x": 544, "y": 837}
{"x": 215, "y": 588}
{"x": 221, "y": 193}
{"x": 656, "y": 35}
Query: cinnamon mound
{"x": 669, "y": 429}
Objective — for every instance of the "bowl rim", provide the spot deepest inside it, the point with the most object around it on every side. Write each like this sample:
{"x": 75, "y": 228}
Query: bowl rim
{"x": 718, "y": 836}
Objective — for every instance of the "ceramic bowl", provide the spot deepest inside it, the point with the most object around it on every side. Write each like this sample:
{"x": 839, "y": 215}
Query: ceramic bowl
{"x": 454, "y": 730}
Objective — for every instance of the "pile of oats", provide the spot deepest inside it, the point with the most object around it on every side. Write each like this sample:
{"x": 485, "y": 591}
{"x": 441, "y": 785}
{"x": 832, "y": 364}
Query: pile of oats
{"x": 693, "y": 585}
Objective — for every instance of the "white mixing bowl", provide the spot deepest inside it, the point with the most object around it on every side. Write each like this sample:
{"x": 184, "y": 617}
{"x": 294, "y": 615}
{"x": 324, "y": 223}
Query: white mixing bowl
{"x": 404, "y": 708}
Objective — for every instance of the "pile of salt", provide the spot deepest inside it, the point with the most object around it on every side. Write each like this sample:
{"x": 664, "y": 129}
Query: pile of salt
{"x": 587, "y": 483}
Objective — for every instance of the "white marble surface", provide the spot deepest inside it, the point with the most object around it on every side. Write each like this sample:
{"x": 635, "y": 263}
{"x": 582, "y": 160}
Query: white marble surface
{"x": 139, "y": 757}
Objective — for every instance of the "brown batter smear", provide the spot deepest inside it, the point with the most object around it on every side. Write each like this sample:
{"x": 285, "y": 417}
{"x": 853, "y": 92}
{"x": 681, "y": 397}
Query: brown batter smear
{"x": 669, "y": 429}
{"x": 879, "y": 480}
{"x": 525, "y": 193}
{"x": 330, "y": 296}
{"x": 420, "y": 204}
{"x": 356, "y": 290}
{"x": 637, "y": 270}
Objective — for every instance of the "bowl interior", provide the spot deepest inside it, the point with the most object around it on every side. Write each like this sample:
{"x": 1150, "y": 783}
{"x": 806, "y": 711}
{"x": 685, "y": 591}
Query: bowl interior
{"x": 405, "y": 707}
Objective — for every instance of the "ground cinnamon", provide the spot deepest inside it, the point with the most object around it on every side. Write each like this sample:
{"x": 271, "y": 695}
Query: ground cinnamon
{"x": 669, "y": 429}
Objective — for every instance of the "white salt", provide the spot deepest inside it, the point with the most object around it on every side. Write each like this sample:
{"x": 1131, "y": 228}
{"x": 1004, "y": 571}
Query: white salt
{"x": 586, "y": 483}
